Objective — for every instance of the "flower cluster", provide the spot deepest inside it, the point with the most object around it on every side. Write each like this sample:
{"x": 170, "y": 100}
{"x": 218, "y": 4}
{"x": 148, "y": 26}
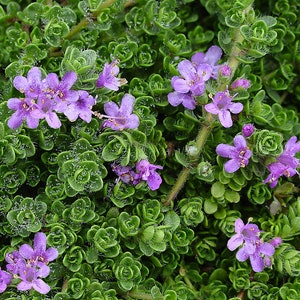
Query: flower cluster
{"x": 194, "y": 75}
{"x": 286, "y": 163}
{"x": 254, "y": 248}
{"x": 44, "y": 98}
{"x": 29, "y": 265}
{"x": 145, "y": 171}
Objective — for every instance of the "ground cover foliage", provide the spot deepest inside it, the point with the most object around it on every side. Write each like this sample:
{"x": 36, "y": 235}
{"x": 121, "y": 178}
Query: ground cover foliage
{"x": 138, "y": 186}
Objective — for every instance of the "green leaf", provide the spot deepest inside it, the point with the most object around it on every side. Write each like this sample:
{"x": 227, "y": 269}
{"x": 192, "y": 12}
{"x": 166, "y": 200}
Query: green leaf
{"x": 210, "y": 206}
{"x": 218, "y": 190}
{"x": 172, "y": 220}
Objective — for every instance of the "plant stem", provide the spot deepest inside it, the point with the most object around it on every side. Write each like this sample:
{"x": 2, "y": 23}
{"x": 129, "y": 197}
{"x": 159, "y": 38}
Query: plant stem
{"x": 205, "y": 130}
{"x": 200, "y": 141}
{"x": 65, "y": 285}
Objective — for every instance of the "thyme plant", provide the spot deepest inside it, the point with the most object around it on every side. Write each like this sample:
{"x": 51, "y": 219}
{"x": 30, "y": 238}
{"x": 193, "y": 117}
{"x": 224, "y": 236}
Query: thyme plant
{"x": 149, "y": 149}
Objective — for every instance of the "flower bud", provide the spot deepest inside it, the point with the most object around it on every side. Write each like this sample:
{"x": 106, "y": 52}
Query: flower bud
{"x": 191, "y": 149}
{"x": 225, "y": 71}
{"x": 240, "y": 83}
{"x": 247, "y": 130}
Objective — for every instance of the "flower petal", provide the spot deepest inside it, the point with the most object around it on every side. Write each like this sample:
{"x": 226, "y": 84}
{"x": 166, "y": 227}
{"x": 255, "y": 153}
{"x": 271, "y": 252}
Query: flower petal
{"x": 40, "y": 286}
{"x": 239, "y": 142}
{"x": 257, "y": 262}
{"x": 51, "y": 254}
{"x": 225, "y": 118}
{"x": 133, "y": 122}
{"x": 212, "y": 108}
{"x": 236, "y": 108}
{"x": 234, "y": 242}
{"x": 180, "y": 85}
{"x": 232, "y": 165}
{"x": 40, "y": 242}
{"x": 188, "y": 101}
{"x": 267, "y": 249}
{"x": 242, "y": 255}
{"x": 53, "y": 120}
{"x": 15, "y": 120}
{"x": 26, "y": 251}
{"x": 213, "y": 55}
{"x": 68, "y": 80}
{"x": 225, "y": 150}
{"x": 239, "y": 225}
{"x": 187, "y": 70}
{"x": 127, "y": 104}
{"x": 111, "y": 109}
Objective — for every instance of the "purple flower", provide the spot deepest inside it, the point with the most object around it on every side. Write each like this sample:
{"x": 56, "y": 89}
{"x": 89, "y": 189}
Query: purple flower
{"x": 30, "y": 86}
{"x": 192, "y": 78}
{"x": 24, "y": 109}
{"x": 187, "y": 100}
{"x": 81, "y": 108}
{"x": 276, "y": 171}
{"x": 108, "y": 77}
{"x": 253, "y": 247}
{"x": 46, "y": 110}
{"x": 38, "y": 254}
{"x": 248, "y": 234}
{"x": 125, "y": 173}
{"x": 147, "y": 172}
{"x": 60, "y": 91}
{"x": 30, "y": 279}
{"x": 261, "y": 250}
{"x": 285, "y": 164}
{"x": 30, "y": 264}
{"x": 211, "y": 57}
{"x": 15, "y": 262}
{"x": 222, "y": 106}
{"x": 239, "y": 154}
{"x": 5, "y": 279}
{"x": 240, "y": 83}
{"x": 248, "y": 130}
{"x": 121, "y": 117}
{"x": 276, "y": 241}
{"x": 225, "y": 71}
{"x": 190, "y": 84}
{"x": 291, "y": 147}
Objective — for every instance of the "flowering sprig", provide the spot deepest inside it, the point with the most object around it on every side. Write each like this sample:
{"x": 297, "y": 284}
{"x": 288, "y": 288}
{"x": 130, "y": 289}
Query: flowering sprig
{"x": 286, "y": 164}
{"x": 30, "y": 265}
{"x": 145, "y": 171}
{"x": 254, "y": 248}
